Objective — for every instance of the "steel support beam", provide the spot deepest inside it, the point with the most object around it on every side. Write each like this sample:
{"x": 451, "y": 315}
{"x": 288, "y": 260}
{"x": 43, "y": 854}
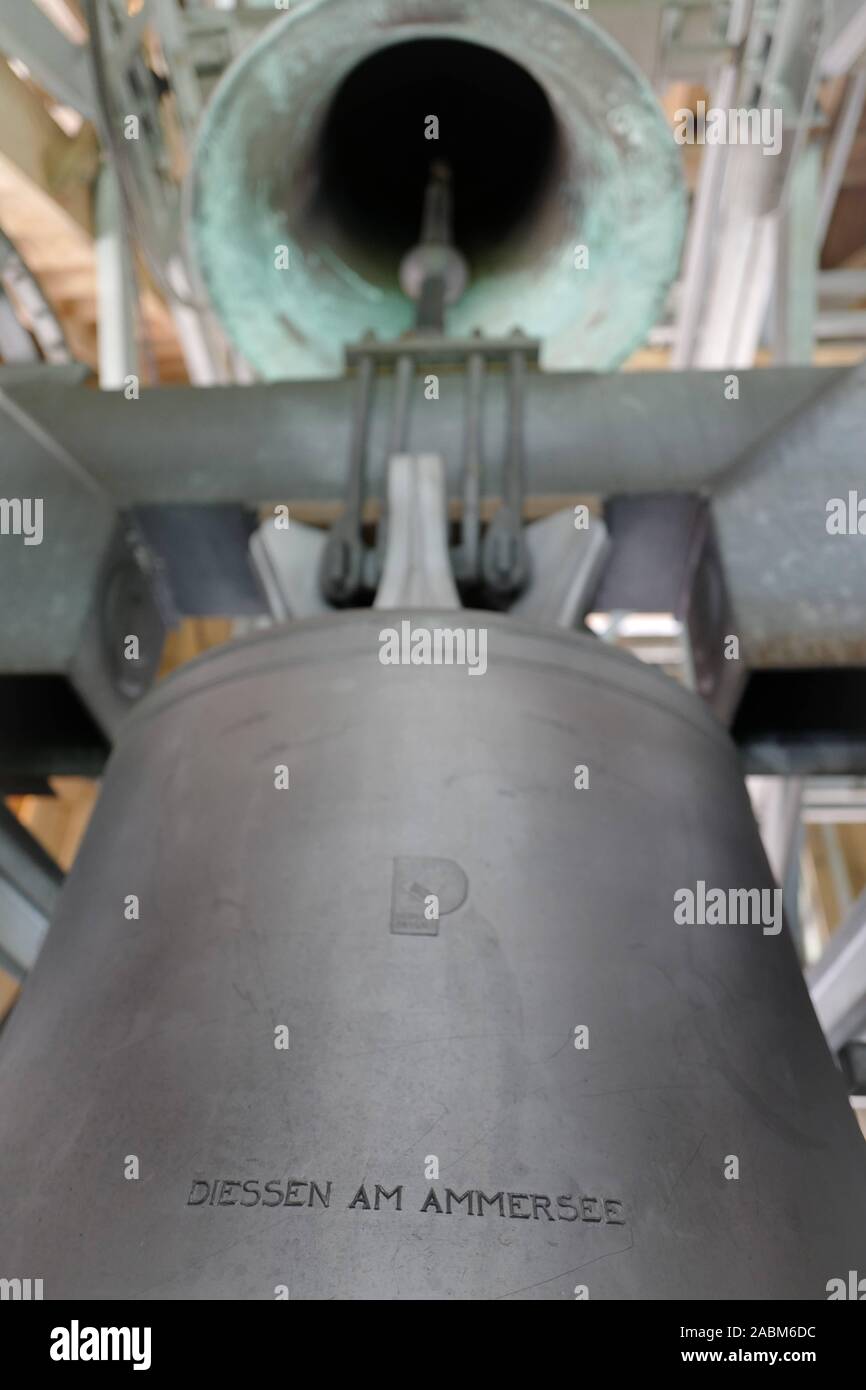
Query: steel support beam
{"x": 585, "y": 432}
{"x": 16, "y": 344}
{"x": 770, "y": 461}
{"x": 847, "y": 43}
{"x": 705, "y": 212}
{"x": 737, "y": 296}
{"x": 61, "y": 67}
{"x": 29, "y": 884}
{"x": 796, "y": 298}
{"x": 804, "y": 723}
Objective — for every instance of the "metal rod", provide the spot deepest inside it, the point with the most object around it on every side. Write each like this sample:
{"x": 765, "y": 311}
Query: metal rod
{"x": 472, "y": 464}
{"x": 515, "y": 458}
{"x": 841, "y": 142}
{"x": 360, "y": 428}
{"x": 342, "y": 568}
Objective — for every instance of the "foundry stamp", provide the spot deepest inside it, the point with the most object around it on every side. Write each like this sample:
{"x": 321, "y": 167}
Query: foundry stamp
{"x": 436, "y": 1200}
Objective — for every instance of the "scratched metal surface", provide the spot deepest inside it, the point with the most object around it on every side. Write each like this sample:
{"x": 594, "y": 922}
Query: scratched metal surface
{"x": 262, "y": 908}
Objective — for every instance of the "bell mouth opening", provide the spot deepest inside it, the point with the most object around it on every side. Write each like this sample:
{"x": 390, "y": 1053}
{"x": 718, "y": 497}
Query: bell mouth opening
{"x": 496, "y": 131}
{"x": 314, "y": 149}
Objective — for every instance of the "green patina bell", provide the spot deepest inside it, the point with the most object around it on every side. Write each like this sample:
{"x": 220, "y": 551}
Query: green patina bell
{"x": 314, "y": 153}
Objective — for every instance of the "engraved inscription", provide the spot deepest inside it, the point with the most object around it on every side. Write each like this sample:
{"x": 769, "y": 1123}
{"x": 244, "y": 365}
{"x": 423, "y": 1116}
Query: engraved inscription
{"x": 316, "y": 1195}
{"x": 422, "y": 891}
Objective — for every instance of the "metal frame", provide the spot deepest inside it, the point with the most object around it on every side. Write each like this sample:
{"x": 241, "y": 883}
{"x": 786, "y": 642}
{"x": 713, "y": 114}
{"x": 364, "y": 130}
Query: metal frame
{"x": 57, "y": 64}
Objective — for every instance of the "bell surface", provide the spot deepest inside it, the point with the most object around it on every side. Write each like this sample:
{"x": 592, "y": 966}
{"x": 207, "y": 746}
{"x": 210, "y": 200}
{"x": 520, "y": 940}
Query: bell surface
{"x": 368, "y": 983}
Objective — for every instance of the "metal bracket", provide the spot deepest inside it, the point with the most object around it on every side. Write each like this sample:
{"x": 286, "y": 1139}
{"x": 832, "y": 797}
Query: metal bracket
{"x": 417, "y": 571}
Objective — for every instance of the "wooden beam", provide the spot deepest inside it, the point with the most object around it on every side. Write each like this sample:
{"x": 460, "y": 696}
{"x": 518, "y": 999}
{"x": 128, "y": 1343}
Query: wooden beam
{"x": 9, "y": 990}
{"x": 56, "y": 171}
{"x": 46, "y": 209}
